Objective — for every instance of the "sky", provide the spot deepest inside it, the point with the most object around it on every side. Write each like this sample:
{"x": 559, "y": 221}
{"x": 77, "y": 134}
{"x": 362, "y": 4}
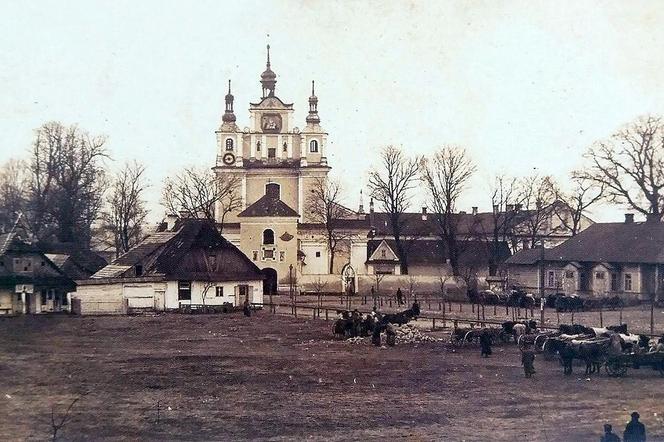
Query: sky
{"x": 524, "y": 86}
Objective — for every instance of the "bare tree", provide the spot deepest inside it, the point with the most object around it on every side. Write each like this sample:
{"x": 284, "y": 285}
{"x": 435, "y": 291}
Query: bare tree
{"x": 67, "y": 182}
{"x": 125, "y": 214}
{"x": 325, "y": 208}
{"x": 319, "y": 287}
{"x": 57, "y": 425}
{"x": 14, "y": 182}
{"x": 630, "y": 165}
{"x": 445, "y": 175}
{"x": 505, "y": 196}
{"x": 200, "y": 193}
{"x": 584, "y": 194}
{"x": 392, "y": 187}
{"x": 538, "y": 197}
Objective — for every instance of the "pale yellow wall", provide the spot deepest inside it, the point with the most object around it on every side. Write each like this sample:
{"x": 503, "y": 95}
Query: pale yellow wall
{"x": 100, "y": 299}
{"x": 288, "y": 182}
{"x": 251, "y": 237}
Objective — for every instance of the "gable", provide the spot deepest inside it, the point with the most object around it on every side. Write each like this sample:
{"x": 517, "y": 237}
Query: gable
{"x": 383, "y": 253}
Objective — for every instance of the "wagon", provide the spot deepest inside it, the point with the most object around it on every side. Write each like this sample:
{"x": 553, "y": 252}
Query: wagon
{"x": 617, "y": 365}
{"x": 461, "y": 336}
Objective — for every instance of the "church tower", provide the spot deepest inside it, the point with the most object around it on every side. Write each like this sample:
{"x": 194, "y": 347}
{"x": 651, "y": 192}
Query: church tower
{"x": 277, "y": 164}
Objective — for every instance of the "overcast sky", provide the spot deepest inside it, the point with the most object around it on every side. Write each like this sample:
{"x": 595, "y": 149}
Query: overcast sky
{"x": 523, "y": 86}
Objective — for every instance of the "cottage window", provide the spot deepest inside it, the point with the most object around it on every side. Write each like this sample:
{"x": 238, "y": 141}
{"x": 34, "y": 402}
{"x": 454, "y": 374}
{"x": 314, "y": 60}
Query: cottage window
{"x": 552, "y": 278}
{"x": 313, "y": 146}
{"x": 229, "y": 144}
{"x": 219, "y": 292}
{"x": 184, "y": 290}
{"x": 383, "y": 254}
{"x": 318, "y": 254}
{"x": 244, "y": 291}
{"x": 139, "y": 270}
{"x": 268, "y": 236}
{"x": 212, "y": 260}
{"x": 599, "y": 275}
{"x": 22, "y": 265}
{"x": 43, "y": 297}
{"x": 614, "y": 281}
{"x": 628, "y": 282}
{"x": 569, "y": 274}
{"x": 268, "y": 254}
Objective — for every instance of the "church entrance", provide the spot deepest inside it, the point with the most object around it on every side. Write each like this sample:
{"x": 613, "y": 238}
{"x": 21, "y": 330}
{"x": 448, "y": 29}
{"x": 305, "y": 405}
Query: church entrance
{"x": 270, "y": 281}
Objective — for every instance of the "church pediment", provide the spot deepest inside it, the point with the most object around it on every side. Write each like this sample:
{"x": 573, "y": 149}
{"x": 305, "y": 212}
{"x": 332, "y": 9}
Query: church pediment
{"x": 272, "y": 103}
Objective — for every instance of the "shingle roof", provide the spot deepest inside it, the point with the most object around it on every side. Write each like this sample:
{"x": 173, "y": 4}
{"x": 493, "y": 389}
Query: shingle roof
{"x": 86, "y": 260}
{"x": 614, "y": 242}
{"x": 268, "y": 206}
{"x": 434, "y": 252}
{"x": 184, "y": 253}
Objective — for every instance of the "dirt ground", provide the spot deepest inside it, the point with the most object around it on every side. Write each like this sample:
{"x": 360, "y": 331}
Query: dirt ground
{"x": 227, "y": 377}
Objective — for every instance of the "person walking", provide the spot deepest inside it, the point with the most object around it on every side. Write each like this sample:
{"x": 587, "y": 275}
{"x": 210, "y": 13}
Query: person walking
{"x": 635, "y": 431}
{"x": 485, "y": 344}
{"x": 609, "y": 435}
{"x": 527, "y": 360}
{"x": 399, "y": 296}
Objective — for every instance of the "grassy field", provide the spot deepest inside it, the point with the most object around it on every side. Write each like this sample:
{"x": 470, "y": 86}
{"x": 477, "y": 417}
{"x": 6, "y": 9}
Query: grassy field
{"x": 227, "y": 377}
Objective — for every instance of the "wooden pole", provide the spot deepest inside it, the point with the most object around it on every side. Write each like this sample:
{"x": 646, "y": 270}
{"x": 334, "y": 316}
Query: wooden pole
{"x": 652, "y": 315}
{"x": 601, "y": 318}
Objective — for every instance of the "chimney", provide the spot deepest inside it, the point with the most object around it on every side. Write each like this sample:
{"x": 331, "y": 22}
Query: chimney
{"x": 495, "y": 209}
{"x": 518, "y": 207}
{"x": 170, "y": 221}
{"x": 474, "y": 210}
{"x": 424, "y": 213}
{"x": 361, "y": 208}
{"x": 509, "y": 207}
{"x": 371, "y": 205}
{"x": 652, "y": 218}
{"x": 629, "y": 218}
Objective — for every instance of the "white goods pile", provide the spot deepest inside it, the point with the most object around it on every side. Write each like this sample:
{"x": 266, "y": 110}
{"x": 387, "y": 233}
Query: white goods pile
{"x": 409, "y": 334}
{"x": 355, "y": 340}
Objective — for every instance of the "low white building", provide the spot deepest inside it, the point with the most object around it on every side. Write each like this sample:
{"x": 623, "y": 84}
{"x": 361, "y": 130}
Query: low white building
{"x": 191, "y": 264}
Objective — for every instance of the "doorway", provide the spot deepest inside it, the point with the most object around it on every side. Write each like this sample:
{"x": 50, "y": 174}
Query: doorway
{"x": 270, "y": 281}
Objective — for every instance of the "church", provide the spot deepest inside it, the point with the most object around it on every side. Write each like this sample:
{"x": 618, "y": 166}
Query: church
{"x": 275, "y": 165}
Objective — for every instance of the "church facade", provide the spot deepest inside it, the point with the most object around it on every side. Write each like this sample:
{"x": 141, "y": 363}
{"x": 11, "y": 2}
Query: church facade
{"x": 276, "y": 165}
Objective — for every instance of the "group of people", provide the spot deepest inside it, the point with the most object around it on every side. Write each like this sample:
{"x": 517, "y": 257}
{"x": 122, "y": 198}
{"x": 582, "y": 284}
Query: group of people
{"x": 527, "y": 353}
{"x": 635, "y": 431}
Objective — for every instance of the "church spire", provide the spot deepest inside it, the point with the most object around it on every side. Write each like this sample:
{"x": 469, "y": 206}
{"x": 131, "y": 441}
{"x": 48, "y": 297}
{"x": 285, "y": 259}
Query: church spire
{"x": 268, "y": 78}
{"x": 313, "y": 106}
{"x": 229, "y": 116}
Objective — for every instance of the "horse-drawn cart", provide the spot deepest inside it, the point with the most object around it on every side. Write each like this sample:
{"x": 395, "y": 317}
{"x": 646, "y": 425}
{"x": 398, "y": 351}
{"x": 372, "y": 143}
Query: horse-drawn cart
{"x": 461, "y": 336}
{"x": 617, "y": 365}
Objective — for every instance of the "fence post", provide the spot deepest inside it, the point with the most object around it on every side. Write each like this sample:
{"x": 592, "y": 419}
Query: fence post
{"x": 295, "y": 309}
{"x": 494, "y": 310}
{"x": 326, "y": 315}
{"x": 434, "y": 324}
{"x": 652, "y": 316}
{"x": 621, "y": 315}
{"x": 460, "y": 307}
{"x": 601, "y": 318}
{"x": 440, "y": 306}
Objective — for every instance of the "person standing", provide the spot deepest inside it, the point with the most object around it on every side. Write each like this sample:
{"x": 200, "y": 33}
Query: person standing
{"x": 399, "y": 296}
{"x": 246, "y": 308}
{"x": 635, "y": 431}
{"x": 485, "y": 344}
{"x": 527, "y": 360}
{"x": 609, "y": 435}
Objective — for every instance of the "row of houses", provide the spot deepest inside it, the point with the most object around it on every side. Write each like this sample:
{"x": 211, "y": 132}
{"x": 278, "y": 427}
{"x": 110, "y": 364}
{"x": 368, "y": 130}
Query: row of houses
{"x": 603, "y": 260}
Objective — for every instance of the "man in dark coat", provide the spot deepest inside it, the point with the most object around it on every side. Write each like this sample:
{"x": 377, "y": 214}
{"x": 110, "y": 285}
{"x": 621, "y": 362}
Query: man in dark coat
{"x": 635, "y": 431}
{"x": 245, "y": 308}
{"x": 485, "y": 344}
{"x": 399, "y": 296}
{"x": 527, "y": 360}
{"x": 609, "y": 435}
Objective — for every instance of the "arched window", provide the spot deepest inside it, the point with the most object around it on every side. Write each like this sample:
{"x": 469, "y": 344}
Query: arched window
{"x": 268, "y": 237}
{"x": 313, "y": 146}
{"x": 229, "y": 144}
{"x": 273, "y": 190}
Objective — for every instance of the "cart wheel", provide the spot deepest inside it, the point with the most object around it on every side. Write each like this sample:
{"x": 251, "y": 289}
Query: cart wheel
{"x": 615, "y": 369}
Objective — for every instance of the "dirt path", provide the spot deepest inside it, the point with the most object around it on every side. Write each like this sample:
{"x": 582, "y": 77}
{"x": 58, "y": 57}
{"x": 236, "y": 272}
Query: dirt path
{"x": 226, "y": 377}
